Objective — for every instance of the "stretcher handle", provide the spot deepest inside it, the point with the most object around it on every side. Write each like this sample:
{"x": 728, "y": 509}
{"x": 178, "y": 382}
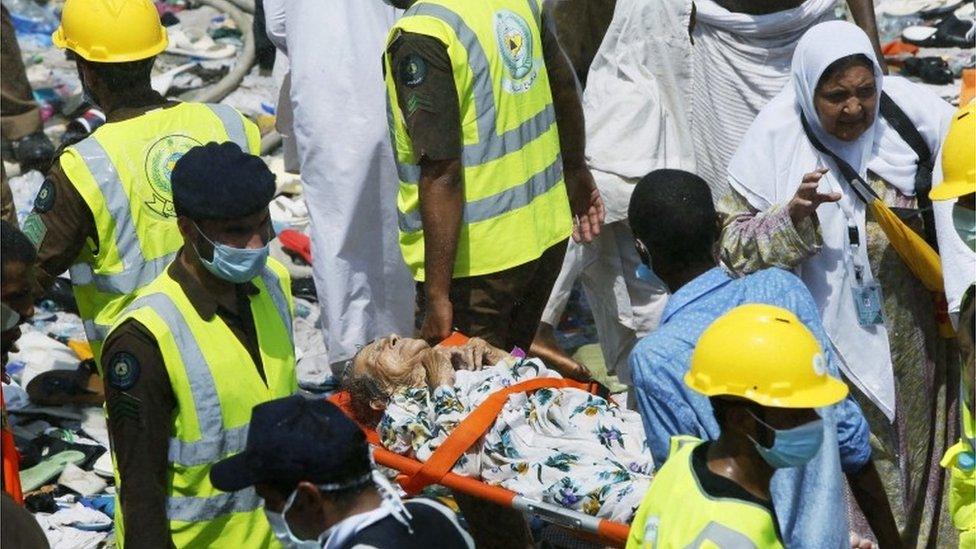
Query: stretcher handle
{"x": 606, "y": 531}
{"x": 473, "y": 427}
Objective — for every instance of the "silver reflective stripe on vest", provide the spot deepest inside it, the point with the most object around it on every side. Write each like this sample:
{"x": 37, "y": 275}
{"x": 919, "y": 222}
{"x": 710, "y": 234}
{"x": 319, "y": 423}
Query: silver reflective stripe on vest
{"x": 722, "y": 536}
{"x": 279, "y": 299}
{"x": 233, "y": 124}
{"x": 492, "y": 206}
{"x": 213, "y": 444}
{"x": 490, "y": 145}
{"x": 408, "y": 173}
{"x": 136, "y": 271}
{"x": 210, "y": 449}
{"x": 535, "y": 13}
{"x": 95, "y": 331}
{"x": 190, "y": 509}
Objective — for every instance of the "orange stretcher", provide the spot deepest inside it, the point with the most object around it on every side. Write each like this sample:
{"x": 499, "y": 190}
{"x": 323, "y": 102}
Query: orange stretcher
{"x": 415, "y": 475}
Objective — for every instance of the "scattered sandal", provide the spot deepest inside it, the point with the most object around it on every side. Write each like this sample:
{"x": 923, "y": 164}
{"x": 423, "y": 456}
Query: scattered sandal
{"x": 931, "y": 70}
{"x": 951, "y": 32}
{"x": 200, "y": 46}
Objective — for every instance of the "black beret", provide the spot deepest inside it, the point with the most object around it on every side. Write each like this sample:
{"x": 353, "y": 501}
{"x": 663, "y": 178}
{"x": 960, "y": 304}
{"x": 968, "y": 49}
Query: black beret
{"x": 220, "y": 181}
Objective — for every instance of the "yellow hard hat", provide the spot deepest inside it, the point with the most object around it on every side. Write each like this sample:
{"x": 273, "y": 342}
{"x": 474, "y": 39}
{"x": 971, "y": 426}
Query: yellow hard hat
{"x": 111, "y": 31}
{"x": 958, "y": 156}
{"x": 764, "y": 354}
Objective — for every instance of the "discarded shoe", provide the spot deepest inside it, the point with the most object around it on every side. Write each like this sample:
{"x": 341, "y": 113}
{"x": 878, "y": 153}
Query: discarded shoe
{"x": 35, "y": 477}
{"x": 951, "y": 32}
{"x": 34, "y": 152}
{"x": 931, "y": 70}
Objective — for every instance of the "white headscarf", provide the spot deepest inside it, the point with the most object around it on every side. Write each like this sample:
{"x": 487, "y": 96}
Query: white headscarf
{"x": 775, "y": 154}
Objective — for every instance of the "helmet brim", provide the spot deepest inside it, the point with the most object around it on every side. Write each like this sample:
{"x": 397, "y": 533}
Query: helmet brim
{"x": 828, "y": 393}
{"x": 949, "y": 190}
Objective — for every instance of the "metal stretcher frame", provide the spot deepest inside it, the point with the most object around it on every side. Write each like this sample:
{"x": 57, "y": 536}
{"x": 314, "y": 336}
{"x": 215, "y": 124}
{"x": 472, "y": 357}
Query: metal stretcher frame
{"x": 586, "y": 526}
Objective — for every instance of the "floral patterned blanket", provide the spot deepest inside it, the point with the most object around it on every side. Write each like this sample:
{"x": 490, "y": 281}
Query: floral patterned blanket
{"x": 562, "y": 446}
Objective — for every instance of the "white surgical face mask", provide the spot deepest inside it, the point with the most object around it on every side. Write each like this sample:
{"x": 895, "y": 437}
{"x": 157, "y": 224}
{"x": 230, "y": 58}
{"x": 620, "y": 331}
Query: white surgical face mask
{"x": 283, "y": 533}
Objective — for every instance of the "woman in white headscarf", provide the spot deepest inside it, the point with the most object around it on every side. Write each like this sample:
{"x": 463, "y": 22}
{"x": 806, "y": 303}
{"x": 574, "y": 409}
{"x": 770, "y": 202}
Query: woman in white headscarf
{"x": 791, "y": 207}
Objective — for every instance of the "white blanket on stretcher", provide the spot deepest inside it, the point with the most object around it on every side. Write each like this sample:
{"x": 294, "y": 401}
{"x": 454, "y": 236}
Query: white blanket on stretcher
{"x": 561, "y": 446}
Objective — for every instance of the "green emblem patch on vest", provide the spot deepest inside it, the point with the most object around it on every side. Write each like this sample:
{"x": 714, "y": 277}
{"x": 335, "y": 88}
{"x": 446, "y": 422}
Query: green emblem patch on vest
{"x": 514, "y": 39}
{"x": 34, "y": 229}
{"x": 160, "y": 160}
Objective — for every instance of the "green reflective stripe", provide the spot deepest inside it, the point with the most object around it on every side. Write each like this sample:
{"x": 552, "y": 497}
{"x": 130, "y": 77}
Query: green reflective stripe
{"x": 490, "y": 145}
{"x": 202, "y": 387}
{"x": 208, "y": 450}
{"x": 191, "y": 509}
{"x": 273, "y": 284}
{"x": 136, "y": 270}
{"x": 492, "y": 206}
{"x": 233, "y": 124}
{"x": 722, "y": 536}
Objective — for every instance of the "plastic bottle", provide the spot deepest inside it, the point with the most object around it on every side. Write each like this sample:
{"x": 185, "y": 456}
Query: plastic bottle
{"x": 28, "y": 17}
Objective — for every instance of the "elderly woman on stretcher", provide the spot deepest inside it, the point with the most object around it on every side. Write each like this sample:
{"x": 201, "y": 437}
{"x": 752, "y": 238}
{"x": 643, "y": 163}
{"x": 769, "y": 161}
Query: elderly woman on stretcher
{"x": 564, "y": 445}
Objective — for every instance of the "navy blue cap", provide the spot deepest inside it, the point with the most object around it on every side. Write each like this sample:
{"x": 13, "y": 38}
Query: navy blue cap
{"x": 295, "y": 439}
{"x": 220, "y": 181}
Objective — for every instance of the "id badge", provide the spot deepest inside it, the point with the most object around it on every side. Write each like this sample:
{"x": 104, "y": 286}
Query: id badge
{"x": 867, "y": 302}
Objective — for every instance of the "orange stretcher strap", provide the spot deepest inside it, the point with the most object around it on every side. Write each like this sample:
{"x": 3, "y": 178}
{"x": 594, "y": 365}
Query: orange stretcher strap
{"x": 606, "y": 532}
{"x": 473, "y": 427}
{"x": 11, "y": 458}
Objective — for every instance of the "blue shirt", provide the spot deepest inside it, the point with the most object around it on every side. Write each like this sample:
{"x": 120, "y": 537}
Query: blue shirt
{"x": 669, "y": 407}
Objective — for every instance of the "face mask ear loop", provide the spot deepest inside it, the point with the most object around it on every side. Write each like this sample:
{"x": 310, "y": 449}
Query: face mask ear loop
{"x": 764, "y": 424}
{"x": 390, "y": 496}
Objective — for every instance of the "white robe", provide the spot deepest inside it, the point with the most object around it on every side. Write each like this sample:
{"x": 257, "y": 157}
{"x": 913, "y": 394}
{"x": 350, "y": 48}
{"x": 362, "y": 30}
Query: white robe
{"x": 350, "y": 182}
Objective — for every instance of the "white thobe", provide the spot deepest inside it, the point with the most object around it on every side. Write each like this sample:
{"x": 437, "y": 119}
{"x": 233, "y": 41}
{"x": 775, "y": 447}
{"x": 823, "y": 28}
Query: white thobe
{"x": 338, "y": 98}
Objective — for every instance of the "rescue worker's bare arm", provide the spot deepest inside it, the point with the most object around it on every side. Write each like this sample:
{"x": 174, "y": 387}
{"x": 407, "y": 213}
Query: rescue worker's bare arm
{"x": 427, "y": 97}
{"x": 59, "y": 226}
{"x": 870, "y": 496}
{"x": 864, "y": 17}
{"x": 141, "y": 405}
{"x": 584, "y": 198}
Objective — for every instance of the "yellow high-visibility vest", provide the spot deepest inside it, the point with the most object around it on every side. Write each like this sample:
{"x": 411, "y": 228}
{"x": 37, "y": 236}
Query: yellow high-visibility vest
{"x": 515, "y": 203}
{"x": 677, "y": 513}
{"x": 122, "y": 171}
{"x": 960, "y": 459}
{"x": 216, "y": 384}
